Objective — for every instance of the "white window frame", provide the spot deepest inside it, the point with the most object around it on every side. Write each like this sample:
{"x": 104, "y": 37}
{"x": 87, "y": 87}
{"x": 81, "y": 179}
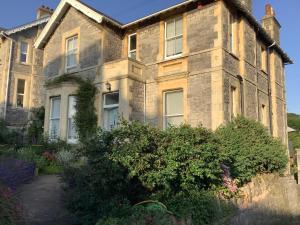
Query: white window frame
{"x": 129, "y": 46}
{"x": 69, "y": 119}
{"x": 70, "y": 52}
{"x": 165, "y": 116}
{"x": 18, "y": 94}
{"x": 24, "y": 53}
{"x": 112, "y": 106}
{"x": 51, "y": 119}
{"x": 173, "y": 38}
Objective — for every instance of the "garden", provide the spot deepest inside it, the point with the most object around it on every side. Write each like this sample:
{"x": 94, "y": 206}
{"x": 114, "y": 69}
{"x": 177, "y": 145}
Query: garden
{"x": 137, "y": 174}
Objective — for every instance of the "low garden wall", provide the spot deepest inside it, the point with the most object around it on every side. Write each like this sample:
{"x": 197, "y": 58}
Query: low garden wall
{"x": 269, "y": 200}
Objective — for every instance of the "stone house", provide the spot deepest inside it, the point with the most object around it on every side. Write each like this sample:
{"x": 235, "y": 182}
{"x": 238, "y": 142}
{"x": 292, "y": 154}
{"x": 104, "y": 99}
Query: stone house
{"x": 21, "y": 70}
{"x": 200, "y": 62}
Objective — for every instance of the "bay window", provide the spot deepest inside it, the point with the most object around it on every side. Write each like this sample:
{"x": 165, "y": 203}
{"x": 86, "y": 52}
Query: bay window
{"x": 72, "y": 133}
{"x": 54, "y": 130}
{"x": 110, "y": 110}
{"x": 173, "y": 108}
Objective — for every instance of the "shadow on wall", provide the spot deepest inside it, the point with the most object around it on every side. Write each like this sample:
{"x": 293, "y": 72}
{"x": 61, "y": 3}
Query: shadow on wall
{"x": 89, "y": 57}
{"x": 269, "y": 200}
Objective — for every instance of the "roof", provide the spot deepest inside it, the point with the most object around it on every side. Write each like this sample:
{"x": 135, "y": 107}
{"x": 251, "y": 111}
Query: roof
{"x": 27, "y": 26}
{"x": 99, "y": 17}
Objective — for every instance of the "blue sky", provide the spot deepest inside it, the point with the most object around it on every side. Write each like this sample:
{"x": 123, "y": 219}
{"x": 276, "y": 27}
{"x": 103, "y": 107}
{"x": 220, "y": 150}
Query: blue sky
{"x": 16, "y": 12}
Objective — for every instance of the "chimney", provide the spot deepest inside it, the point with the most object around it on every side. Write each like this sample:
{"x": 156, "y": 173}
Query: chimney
{"x": 271, "y": 24}
{"x": 248, "y": 5}
{"x": 44, "y": 11}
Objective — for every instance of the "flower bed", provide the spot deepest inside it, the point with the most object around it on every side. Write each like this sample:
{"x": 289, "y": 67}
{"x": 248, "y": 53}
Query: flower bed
{"x": 14, "y": 172}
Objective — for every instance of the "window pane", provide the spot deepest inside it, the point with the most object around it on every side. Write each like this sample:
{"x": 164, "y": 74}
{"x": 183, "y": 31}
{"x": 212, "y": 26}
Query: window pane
{"x": 55, "y": 108}
{"x": 170, "y": 29}
{"x": 72, "y": 134}
{"x": 132, "y": 55}
{"x": 72, "y": 104}
{"x": 178, "y": 45}
{"x": 23, "y": 58}
{"x": 171, "y": 47}
{"x": 178, "y": 24}
{"x": 21, "y": 86}
{"x": 112, "y": 99}
{"x": 132, "y": 42}
{"x": 24, "y": 47}
{"x": 174, "y": 103}
{"x": 174, "y": 121}
{"x": 71, "y": 60}
{"x": 111, "y": 118}
{"x": 20, "y": 99}
{"x": 54, "y": 129}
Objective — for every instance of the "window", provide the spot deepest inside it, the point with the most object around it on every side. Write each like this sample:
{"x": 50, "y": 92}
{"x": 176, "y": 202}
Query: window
{"x": 72, "y": 134}
{"x": 263, "y": 59}
{"x": 173, "y": 108}
{"x": 234, "y": 105}
{"x": 174, "y": 38}
{"x": 54, "y": 118}
{"x": 233, "y": 32}
{"x": 111, "y": 110}
{"x": 24, "y": 52}
{"x": 71, "y": 53}
{"x": 132, "y": 46}
{"x": 263, "y": 115}
{"x": 20, "y": 93}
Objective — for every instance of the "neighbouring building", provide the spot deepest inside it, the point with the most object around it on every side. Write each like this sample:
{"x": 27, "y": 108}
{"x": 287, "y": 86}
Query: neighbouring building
{"x": 21, "y": 70}
{"x": 200, "y": 62}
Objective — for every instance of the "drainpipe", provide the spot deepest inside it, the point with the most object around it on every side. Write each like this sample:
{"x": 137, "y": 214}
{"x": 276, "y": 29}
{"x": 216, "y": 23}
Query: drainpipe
{"x": 145, "y": 109}
{"x": 269, "y": 87}
{"x": 8, "y": 73}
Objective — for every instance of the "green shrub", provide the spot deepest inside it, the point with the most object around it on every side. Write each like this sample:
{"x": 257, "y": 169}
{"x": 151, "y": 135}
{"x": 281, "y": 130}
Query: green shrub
{"x": 199, "y": 207}
{"x": 10, "y": 210}
{"x": 35, "y": 129}
{"x": 250, "y": 150}
{"x": 102, "y": 188}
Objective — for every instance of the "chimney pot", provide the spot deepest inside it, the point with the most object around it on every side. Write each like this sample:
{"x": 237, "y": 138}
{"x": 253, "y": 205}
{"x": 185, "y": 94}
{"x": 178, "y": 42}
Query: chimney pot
{"x": 269, "y": 10}
{"x": 44, "y": 11}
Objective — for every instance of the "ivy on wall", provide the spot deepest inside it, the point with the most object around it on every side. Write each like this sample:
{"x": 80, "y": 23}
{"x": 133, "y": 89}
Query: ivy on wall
{"x": 85, "y": 117}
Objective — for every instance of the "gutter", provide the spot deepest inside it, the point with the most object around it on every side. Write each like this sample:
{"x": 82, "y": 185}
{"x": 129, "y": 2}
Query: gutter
{"x": 159, "y": 12}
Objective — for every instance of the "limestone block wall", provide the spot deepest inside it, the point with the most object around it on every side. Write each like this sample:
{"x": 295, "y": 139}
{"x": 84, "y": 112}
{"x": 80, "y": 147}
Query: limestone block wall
{"x": 269, "y": 200}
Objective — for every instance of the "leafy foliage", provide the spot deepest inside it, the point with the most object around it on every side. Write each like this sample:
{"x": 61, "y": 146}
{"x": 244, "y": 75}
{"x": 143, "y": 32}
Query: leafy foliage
{"x": 294, "y": 122}
{"x": 177, "y": 159}
{"x": 250, "y": 150}
{"x": 86, "y": 117}
{"x": 9, "y": 208}
{"x": 11, "y": 137}
{"x": 36, "y": 125}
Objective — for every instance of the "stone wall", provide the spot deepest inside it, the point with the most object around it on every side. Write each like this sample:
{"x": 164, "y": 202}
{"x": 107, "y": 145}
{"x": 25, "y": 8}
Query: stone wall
{"x": 269, "y": 200}
{"x": 90, "y": 37}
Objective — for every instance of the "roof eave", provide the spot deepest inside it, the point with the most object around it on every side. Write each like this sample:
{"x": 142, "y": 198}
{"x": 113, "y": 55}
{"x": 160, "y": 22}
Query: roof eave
{"x": 261, "y": 30}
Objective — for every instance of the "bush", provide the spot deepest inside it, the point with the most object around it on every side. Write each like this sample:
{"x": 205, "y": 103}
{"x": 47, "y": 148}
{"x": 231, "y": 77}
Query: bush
{"x": 7, "y": 136}
{"x": 102, "y": 188}
{"x": 199, "y": 207}
{"x": 173, "y": 160}
{"x": 10, "y": 210}
{"x": 35, "y": 129}
{"x": 250, "y": 150}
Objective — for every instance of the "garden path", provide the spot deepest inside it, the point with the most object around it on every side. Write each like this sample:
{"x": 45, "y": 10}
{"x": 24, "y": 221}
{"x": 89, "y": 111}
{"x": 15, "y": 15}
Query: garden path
{"x": 42, "y": 202}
